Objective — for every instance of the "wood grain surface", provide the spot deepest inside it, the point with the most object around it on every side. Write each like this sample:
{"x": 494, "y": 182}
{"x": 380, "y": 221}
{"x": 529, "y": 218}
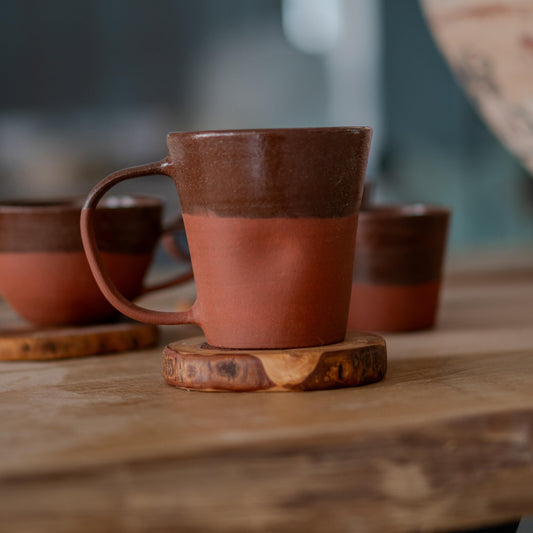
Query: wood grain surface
{"x": 444, "y": 442}
{"x": 359, "y": 360}
{"x": 20, "y": 341}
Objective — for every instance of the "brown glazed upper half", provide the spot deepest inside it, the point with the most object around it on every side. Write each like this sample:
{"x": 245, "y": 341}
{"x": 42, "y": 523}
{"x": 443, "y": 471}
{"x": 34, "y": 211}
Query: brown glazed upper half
{"x": 400, "y": 245}
{"x": 311, "y": 172}
{"x": 124, "y": 224}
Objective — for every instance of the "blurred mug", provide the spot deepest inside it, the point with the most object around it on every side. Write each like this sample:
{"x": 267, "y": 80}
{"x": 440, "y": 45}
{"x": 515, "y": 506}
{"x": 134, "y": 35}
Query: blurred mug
{"x": 270, "y": 217}
{"x": 44, "y": 274}
{"x": 398, "y": 267}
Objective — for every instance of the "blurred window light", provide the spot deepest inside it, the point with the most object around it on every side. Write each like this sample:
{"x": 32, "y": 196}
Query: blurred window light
{"x": 312, "y": 26}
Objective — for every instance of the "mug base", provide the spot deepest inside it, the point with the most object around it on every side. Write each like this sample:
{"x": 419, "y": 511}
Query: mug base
{"x": 358, "y": 360}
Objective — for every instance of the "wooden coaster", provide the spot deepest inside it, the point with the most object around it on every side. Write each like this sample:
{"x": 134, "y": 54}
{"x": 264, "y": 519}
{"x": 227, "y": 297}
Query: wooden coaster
{"x": 358, "y": 360}
{"x": 23, "y": 342}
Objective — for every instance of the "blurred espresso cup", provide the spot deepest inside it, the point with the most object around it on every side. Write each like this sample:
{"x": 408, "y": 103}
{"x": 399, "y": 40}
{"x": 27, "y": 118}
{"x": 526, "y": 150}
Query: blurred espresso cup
{"x": 270, "y": 217}
{"x": 398, "y": 267}
{"x": 44, "y": 274}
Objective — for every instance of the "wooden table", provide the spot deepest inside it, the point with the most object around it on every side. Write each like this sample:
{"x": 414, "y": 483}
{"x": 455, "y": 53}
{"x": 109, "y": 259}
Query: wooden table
{"x": 444, "y": 442}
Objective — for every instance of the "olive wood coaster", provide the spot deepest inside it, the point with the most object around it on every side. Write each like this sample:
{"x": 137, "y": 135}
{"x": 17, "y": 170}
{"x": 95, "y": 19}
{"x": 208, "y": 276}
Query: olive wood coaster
{"x": 192, "y": 364}
{"x": 21, "y": 341}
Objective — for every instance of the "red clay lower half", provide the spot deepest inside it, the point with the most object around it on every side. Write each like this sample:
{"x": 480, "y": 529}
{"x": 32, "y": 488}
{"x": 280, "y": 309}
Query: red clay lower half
{"x": 56, "y": 288}
{"x": 271, "y": 282}
{"x": 376, "y": 307}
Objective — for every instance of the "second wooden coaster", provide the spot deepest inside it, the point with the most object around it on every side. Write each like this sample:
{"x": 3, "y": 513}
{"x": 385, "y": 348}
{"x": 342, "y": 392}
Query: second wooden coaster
{"x": 191, "y": 364}
{"x": 23, "y": 342}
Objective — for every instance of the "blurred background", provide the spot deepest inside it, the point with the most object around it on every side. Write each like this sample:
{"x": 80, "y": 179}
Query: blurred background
{"x": 90, "y": 87}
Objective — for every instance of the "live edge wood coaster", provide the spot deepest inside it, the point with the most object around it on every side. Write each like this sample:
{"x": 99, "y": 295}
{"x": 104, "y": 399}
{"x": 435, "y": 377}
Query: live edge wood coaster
{"x": 191, "y": 364}
{"x": 21, "y": 341}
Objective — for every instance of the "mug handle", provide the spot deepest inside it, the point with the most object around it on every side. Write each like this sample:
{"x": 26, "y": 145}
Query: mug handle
{"x": 101, "y": 276}
{"x": 174, "y": 251}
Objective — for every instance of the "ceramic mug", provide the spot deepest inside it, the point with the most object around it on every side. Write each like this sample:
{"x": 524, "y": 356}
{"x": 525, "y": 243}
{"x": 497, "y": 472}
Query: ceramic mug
{"x": 44, "y": 274}
{"x": 398, "y": 267}
{"x": 270, "y": 218}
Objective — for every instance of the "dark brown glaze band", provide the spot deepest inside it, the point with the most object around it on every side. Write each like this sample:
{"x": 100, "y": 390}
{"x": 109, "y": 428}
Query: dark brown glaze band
{"x": 124, "y": 224}
{"x": 311, "y": 172}
{"x": 400, "y": 245}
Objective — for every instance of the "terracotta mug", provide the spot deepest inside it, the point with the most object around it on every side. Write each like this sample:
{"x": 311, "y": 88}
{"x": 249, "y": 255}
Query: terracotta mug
{"x": 270, "y": 218}
{"x": 397, "y": 268}
{"x": 44, "y": 274}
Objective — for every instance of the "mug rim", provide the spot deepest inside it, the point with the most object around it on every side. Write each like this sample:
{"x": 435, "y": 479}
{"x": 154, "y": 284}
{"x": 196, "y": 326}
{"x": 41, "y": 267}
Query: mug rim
{"x": 415, "y": 210}
{"x": 75, "y": 203}
{"x": 270, "y": 131}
